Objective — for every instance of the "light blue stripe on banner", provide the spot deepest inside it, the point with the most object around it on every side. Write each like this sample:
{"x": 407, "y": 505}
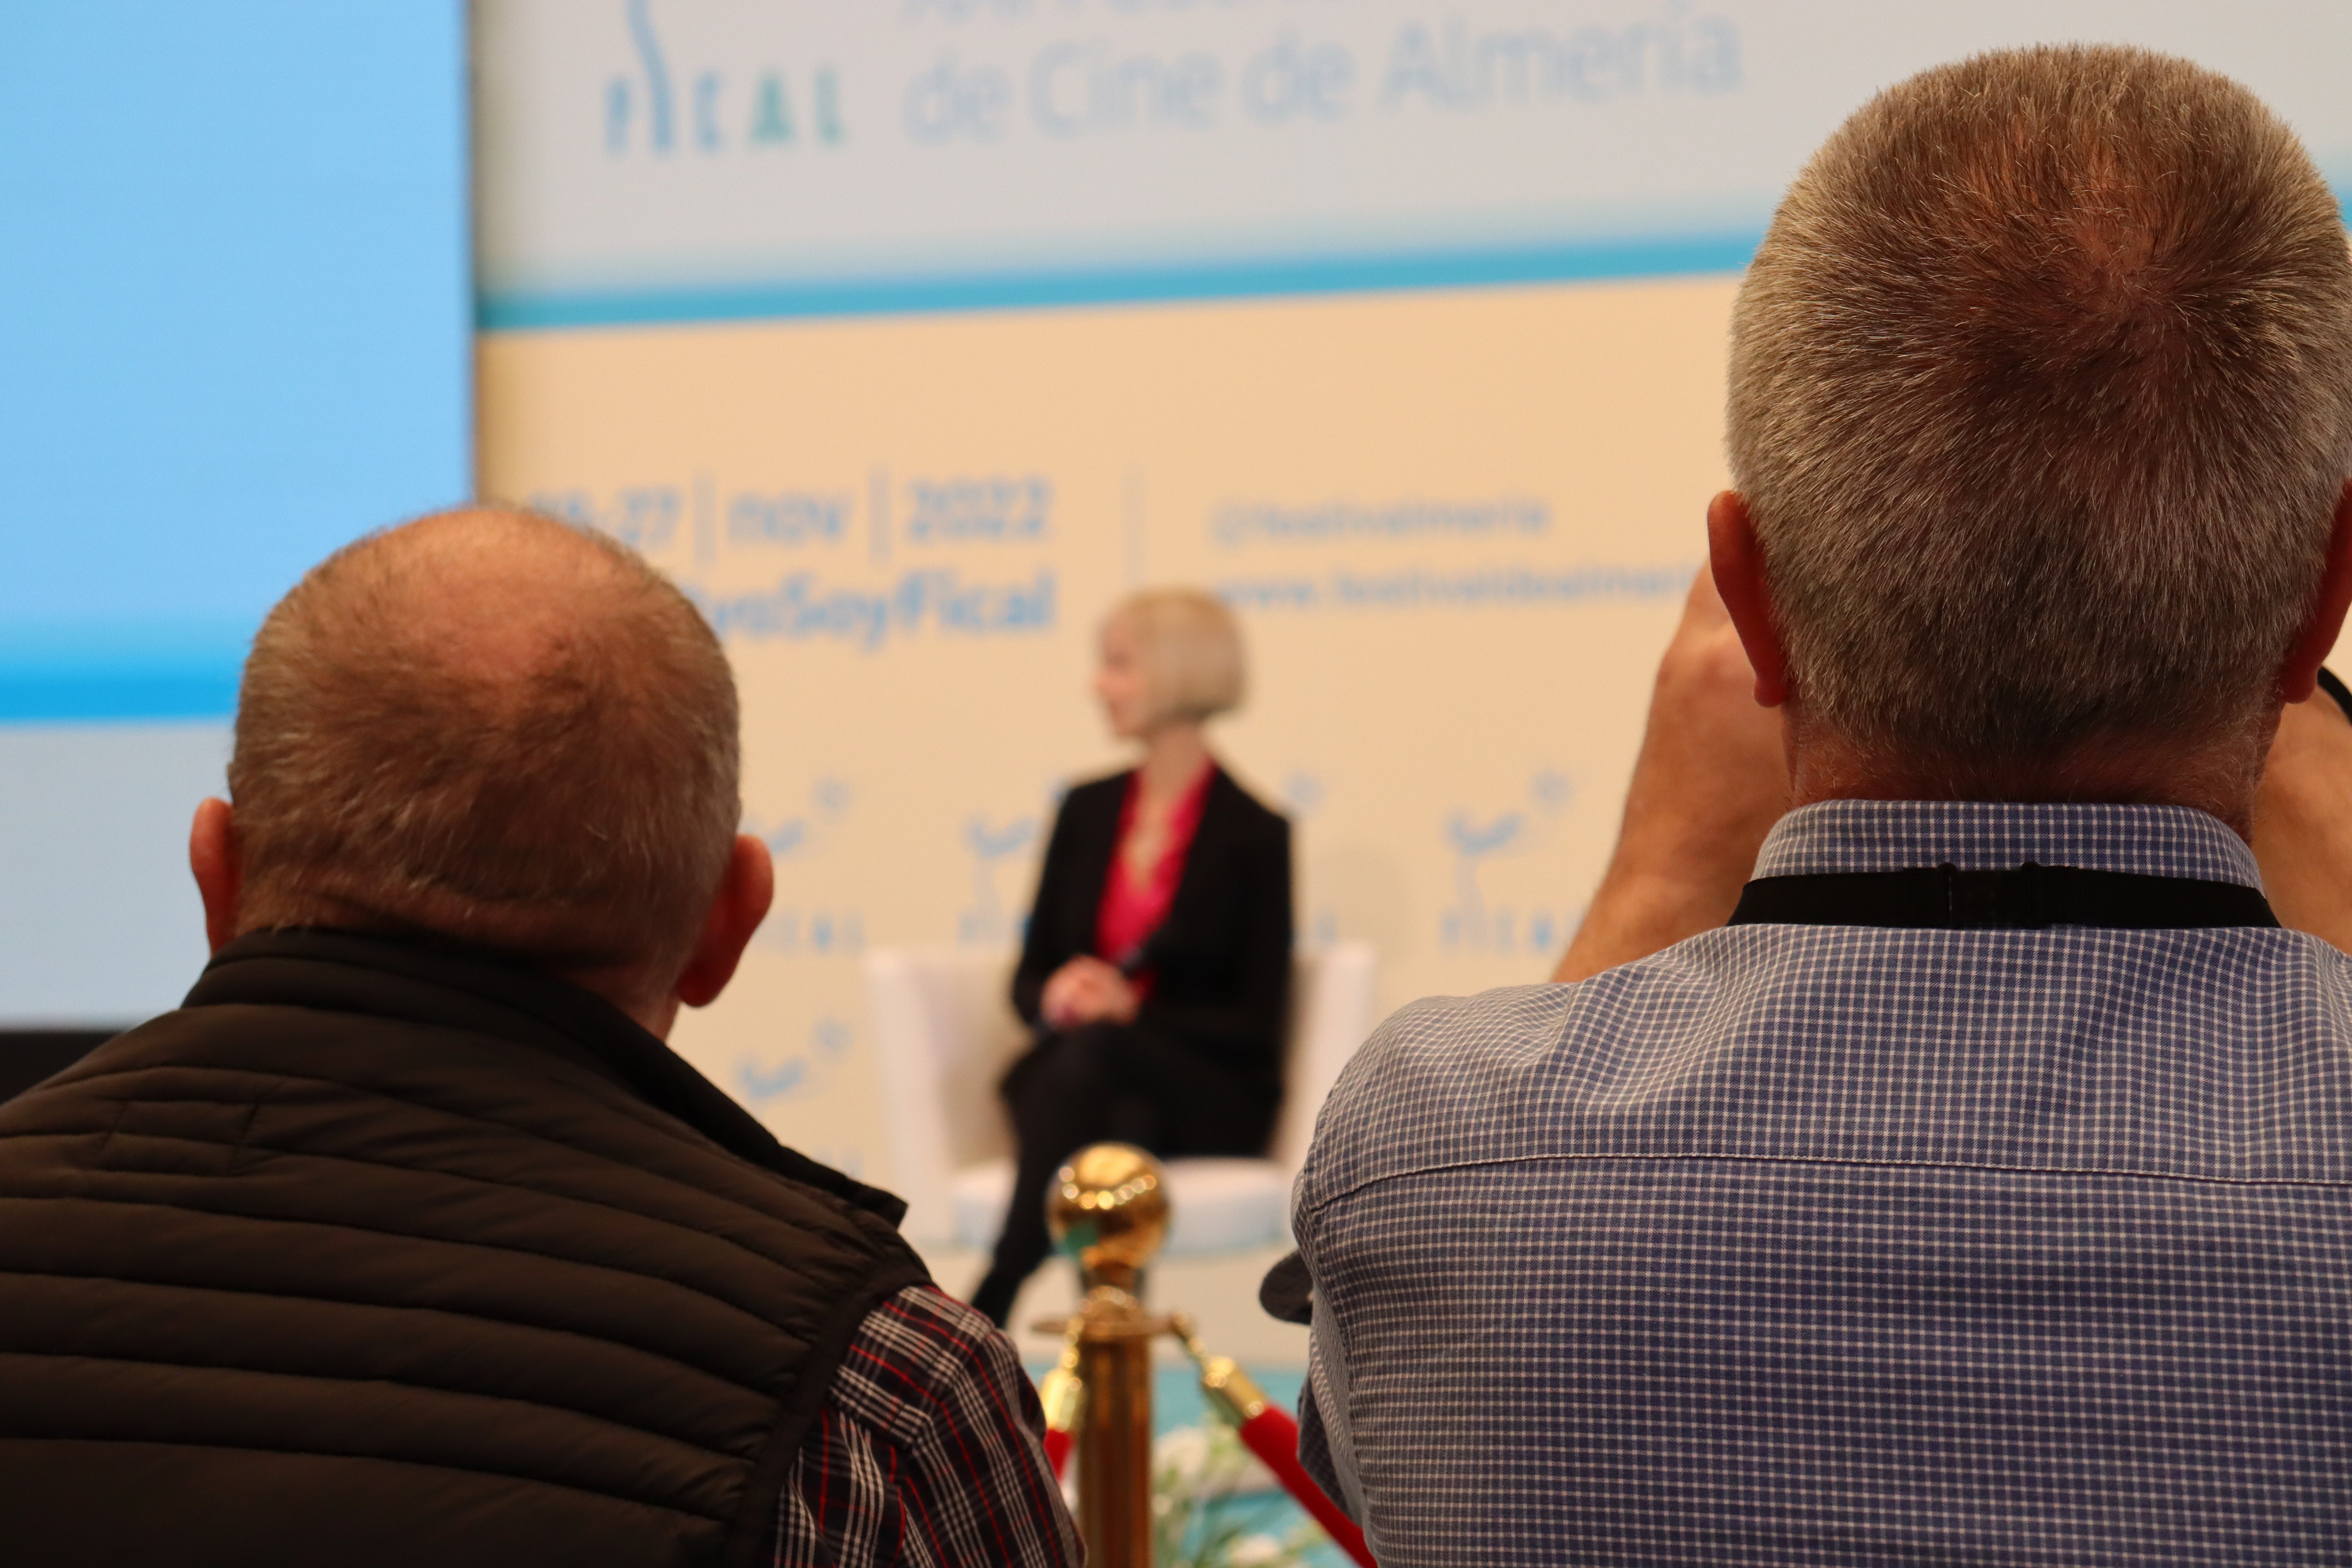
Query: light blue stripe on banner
{"x": 524, "y": 309}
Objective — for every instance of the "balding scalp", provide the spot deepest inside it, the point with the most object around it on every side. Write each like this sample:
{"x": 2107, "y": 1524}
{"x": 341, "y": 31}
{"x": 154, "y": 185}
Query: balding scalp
{"x": 487, "y": 726}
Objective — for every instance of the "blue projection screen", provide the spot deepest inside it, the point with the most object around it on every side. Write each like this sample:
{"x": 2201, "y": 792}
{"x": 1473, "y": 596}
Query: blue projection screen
{"x": 233, "y": 329}
{"x": 234, "y": 332}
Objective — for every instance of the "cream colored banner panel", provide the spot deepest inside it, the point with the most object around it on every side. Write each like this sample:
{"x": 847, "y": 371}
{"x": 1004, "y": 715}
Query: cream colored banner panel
{"x": 1457, "y": 527}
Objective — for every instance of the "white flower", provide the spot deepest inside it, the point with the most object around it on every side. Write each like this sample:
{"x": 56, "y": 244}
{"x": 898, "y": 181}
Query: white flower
{"x": 1257, "y": 1552}
{"x": 1182, "y": 1457}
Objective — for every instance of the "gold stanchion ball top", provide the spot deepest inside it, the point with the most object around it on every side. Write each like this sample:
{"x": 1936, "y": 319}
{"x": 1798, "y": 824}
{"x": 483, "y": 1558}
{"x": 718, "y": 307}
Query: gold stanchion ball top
{"x": 1108, "y": 1210}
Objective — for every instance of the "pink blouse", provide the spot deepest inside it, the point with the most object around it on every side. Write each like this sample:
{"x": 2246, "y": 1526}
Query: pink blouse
{"x": 1132, "y": 908}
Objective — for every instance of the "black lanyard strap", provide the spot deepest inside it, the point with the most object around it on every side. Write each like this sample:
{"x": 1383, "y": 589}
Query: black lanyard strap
{"x": 2026, "y": 898}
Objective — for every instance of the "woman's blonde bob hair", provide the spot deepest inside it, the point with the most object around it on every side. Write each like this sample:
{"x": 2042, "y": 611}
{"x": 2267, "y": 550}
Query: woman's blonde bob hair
{"x": 1190, "y": 650}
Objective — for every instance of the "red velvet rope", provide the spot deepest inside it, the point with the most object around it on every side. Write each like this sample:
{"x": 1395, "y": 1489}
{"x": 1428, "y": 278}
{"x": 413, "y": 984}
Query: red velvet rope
{"x": 1057, "y": 1452}
{"x": 1267, "y": 1430}
{"x": 1272, "y": 1437}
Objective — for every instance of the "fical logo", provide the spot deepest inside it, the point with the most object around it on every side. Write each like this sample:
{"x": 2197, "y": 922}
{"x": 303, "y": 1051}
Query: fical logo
{"x": 657, "y": 109}
{"x": 1474, "y": 921}
{"x": 989, "y": 922}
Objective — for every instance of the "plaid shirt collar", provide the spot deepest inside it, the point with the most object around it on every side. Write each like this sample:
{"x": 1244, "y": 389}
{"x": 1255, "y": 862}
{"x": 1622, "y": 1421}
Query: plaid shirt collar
{"x": 1990, "y": 836}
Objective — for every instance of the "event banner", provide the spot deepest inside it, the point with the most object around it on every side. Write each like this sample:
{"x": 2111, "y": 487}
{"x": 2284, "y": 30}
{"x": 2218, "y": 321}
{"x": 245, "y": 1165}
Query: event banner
{"x": 651, "y": 160}
{"x": 908, "y": 337}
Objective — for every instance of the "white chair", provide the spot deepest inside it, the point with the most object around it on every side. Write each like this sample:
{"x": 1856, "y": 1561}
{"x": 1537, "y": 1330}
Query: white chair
{"x": 944, "y": 1032}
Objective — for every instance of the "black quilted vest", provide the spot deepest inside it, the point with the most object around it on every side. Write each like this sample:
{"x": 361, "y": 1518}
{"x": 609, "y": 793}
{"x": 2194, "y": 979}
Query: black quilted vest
{"x": 373, "y": 1253}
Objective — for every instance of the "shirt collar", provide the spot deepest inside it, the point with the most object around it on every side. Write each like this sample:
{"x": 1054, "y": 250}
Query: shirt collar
{"x": 1991, "y": 835}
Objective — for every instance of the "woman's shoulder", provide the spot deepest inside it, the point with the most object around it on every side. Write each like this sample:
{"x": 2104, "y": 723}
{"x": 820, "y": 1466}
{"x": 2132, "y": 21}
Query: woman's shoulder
{"x": 1234, "y": 797}
{"x": 1095, "y": 794}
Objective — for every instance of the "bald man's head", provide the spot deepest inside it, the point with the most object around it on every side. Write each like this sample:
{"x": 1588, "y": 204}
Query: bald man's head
{"x": 489, "y": 726}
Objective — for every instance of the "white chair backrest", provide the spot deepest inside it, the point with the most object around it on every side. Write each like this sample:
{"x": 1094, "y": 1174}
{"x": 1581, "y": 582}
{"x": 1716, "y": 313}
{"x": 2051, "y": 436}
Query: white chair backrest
{"x": 944, "y": 1032}
{"x": 1330, "y": 1014}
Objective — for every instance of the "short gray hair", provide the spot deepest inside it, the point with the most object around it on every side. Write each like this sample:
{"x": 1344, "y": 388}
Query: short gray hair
{"x": 1191, "y": 648}
{"x": 577, "y": 812}
{"x": 2040, "y": 399}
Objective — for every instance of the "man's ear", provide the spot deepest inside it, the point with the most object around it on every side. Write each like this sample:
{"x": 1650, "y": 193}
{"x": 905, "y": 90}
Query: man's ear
{"x": 2299, "y": 676}
{"x": 744, "y": 894}
{"x": 219, "y": 867}
{"x": 1737, "y": 560}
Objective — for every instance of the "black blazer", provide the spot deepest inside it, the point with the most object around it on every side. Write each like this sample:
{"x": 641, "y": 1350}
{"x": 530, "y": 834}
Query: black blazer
{"x": 1220, "y": 961}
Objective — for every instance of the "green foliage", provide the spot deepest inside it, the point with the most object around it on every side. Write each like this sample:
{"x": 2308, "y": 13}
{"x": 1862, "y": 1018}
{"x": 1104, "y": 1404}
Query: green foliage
{"x": 1210, "y": 1510}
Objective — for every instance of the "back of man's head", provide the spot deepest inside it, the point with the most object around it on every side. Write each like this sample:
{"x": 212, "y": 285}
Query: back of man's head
{"x": 2042, "y": 402}
{"x": 489, "y": 727}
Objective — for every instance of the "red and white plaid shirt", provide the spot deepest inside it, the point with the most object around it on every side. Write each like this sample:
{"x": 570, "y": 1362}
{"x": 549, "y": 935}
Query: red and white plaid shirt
{"x": 928, "y": 1452}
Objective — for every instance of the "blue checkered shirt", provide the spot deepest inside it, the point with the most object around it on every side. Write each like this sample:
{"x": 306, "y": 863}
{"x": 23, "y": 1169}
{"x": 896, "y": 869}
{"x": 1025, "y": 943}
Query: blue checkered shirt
{"x": 1834, "y": 1244}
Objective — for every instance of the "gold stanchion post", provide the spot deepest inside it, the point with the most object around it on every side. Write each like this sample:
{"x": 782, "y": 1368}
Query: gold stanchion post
{"x": 1108, "y": 1211}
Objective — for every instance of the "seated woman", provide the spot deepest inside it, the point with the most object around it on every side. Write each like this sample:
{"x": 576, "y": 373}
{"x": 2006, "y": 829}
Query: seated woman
{"x": 1157, "y": 968}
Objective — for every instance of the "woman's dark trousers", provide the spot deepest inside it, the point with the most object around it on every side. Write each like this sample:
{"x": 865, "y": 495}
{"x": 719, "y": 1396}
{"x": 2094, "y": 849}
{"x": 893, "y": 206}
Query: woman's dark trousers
{"x": 1110, "y": 1083}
